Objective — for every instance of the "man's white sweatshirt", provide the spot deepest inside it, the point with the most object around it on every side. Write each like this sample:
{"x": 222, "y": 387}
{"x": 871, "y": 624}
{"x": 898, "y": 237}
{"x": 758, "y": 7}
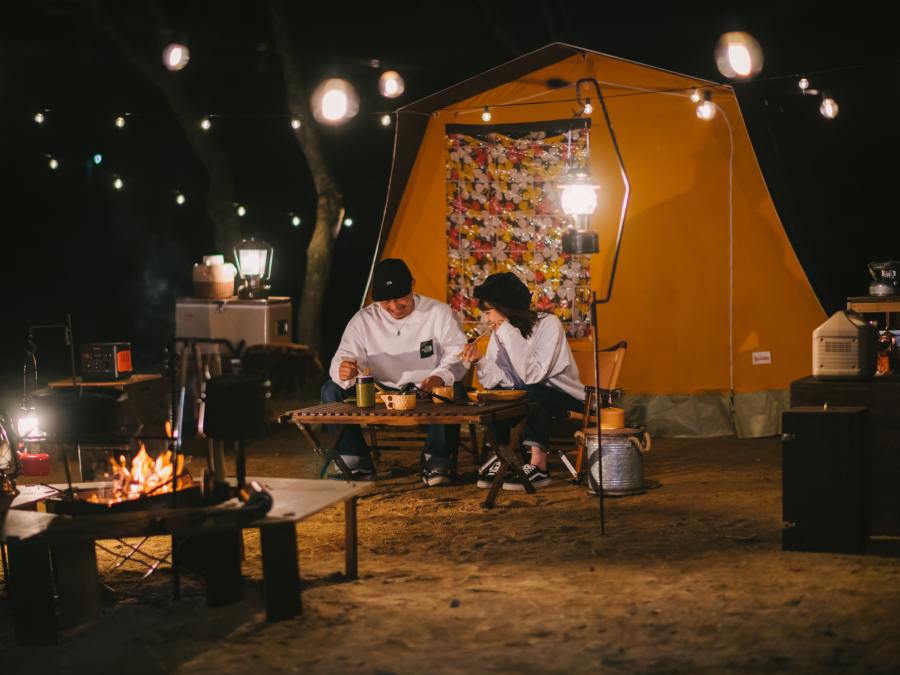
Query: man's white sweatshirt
{"x": 397, "y": 351}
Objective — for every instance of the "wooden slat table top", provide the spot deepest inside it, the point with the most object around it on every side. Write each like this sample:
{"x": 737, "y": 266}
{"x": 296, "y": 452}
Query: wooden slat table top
{"x": 137, "y": 378}
{"x": 295, "y": 499}
{"x": 425, "y": 412}
{"x": 874, "y": 303}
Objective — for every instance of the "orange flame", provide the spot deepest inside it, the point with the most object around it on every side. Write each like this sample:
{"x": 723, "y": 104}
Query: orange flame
{"x": 146, "y": 476}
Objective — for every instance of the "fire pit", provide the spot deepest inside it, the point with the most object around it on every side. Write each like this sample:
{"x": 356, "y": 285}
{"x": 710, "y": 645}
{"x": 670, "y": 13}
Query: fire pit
{"x": 146, "y": 484}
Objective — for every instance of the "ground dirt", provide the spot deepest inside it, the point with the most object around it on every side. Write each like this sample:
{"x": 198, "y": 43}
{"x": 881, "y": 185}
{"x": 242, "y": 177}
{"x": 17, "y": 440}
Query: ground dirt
{"x": 690, "y": 577}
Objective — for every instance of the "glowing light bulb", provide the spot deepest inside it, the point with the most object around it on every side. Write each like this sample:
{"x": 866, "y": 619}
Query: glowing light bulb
{"x": 588, "y": 108}
{"x": 390, "y": 84}
{"x": 295, "y": 221}
{"x": 180, "y": 199}
{"x": 385, "y": 120}
{"x": 803, "y": 84}
{"x": 738, "y": 55}
{"x": 118, "y": 184}
{"x": 706, "y": 110}
{"x": 348, "y": 222}
{"x": 486, "y": 114}
{"x": 829, "y": 108}
{"x": 176, "y": 56}
{"x": 98, "y": 159}
{"x": 295, "y": 123}
{"x": 53, "y": 163}
{"x": 696, "y": 97}
{"x": 241, "y": 211}
{"x": 120, "y": 122}
{"x": 39, "y": 118}
{"x": 334, "y": 102}
{"x": 205, "y": 124}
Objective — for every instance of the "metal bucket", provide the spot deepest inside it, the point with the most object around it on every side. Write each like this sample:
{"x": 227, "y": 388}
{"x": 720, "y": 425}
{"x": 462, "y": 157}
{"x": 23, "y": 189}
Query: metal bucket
{"x": 623, "y": 466}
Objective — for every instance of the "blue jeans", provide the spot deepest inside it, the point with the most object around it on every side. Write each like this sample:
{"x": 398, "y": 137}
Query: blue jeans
{"x": 547, "y": 404}
{"x": 440, "y": 446}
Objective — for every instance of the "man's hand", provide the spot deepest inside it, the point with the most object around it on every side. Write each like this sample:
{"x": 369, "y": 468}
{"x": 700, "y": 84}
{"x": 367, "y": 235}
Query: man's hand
{"x": 348, "y": 370}
{"x": 470, "y": 353}
{"x": 430, "y": 383}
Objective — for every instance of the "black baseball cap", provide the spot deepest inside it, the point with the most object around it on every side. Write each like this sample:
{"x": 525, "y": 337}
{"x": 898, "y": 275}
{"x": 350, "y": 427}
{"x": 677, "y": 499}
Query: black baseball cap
{"x": 504, "y": 289}
{"x": 391, "y": 279}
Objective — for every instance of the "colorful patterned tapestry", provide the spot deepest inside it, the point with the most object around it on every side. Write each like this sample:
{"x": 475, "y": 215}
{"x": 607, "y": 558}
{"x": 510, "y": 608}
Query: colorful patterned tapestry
{"x": 504, "y": 214}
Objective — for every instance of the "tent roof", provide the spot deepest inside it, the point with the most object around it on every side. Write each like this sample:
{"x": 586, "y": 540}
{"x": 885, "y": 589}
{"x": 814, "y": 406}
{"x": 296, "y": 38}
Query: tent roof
{"x": 513, "y": 70}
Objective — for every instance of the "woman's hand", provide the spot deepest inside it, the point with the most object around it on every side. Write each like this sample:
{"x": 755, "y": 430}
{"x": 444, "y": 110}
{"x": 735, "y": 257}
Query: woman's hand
{"x": 470, "y": 353}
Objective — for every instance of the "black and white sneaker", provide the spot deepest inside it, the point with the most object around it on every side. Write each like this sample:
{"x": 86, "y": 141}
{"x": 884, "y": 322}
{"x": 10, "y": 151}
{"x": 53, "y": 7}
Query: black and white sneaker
{"x": 432, "y": 477}
{"x": 487, "y": 478}
{"x": 537, "y": 477}
{"x": 360, "y": 474}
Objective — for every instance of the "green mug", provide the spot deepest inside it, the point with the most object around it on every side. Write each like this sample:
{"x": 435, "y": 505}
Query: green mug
{"x": 365, "y": 391}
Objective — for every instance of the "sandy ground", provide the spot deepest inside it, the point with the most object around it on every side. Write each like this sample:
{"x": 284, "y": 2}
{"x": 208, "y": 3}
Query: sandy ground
{"x": 690, "y": 578}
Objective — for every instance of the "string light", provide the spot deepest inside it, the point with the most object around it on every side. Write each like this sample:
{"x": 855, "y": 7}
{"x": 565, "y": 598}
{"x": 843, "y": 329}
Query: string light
{"x": 241, "y": 211}
{"x": 334, "y": 101}
{"x": 390, "y": 84}
{"x": 707, "y": 109}
{"x": 803, "y": 84}
{"x": 385, "y": 120}
{"x": 738, "y": 55}
{"x": 39, "y": 118}
{"x": 828, "y": 108}
{"x": 98, "y": 159}
{"x": 295, "y": 123}
{"x": 486, "y": 114}
{"x": 295, "y": 221}
{"x": 205, "y": 124}
{"x": 120, "y": 122}
{"x": 118, "y": 184}
{"x": 696, "y": 97}
{"x": 348, "y": 222}
{"x": 53, "y": 163}
{"x": 176, "y": 56}
{"x": 588, "y": 108}
{"x": 180, "y": 199}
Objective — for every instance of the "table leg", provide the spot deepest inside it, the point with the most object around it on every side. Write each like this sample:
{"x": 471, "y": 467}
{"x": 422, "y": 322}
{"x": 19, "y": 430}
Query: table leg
{"x": 77, "y": 582}
{"x": 508, "y": 459}
{"x": 281, "y": 571}
{"x": 30, "y": 591}
{"x": 223, "y": 567}
{"x": 351, "y": 566}
{"x": 320, "y": 451}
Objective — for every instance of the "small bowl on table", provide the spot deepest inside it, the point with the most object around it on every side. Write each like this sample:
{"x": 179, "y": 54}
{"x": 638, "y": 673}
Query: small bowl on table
{"x": 446, "y": 392}
{"x": 399, "y": 401}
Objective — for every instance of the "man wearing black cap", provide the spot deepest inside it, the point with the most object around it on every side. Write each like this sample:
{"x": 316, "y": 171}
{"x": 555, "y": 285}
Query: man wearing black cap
{"x": 401, "y": 338}
{"x": 527, "y": 351}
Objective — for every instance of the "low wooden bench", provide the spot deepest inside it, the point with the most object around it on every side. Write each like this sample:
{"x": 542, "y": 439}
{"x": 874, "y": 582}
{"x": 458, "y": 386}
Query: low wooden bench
{"x": 54, "y": 555}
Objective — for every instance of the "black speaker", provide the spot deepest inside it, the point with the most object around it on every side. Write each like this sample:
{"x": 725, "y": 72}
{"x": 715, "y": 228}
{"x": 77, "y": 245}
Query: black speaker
{"x": 235, "y": 407}
{"x": 826, "y": 475}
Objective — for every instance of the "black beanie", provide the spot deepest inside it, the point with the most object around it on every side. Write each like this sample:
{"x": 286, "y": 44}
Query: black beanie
{"x": 391, "y": 279}
{"x": 504, "y": 289}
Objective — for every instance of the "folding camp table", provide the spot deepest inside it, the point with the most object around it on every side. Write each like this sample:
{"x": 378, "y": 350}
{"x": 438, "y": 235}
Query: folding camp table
{"x": 426, "y": 412}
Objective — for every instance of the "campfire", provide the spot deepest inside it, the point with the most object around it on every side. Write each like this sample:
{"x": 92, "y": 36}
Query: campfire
{"x": 145, "y": 477}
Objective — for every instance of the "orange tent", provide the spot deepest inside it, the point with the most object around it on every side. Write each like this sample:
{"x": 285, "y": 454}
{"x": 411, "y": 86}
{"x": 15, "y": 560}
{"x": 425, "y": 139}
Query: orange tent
{"x": 709, "y": 293}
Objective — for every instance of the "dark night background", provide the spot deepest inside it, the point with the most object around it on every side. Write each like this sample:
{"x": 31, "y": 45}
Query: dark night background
{"x": 116, "y": 261}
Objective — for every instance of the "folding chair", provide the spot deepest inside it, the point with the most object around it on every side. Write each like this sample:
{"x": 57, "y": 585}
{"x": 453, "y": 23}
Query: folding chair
{"x": 562, "y": 437}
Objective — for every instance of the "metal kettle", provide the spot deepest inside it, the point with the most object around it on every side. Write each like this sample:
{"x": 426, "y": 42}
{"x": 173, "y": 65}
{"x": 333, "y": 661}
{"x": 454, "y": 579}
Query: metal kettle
{"x": 884, "y": 277}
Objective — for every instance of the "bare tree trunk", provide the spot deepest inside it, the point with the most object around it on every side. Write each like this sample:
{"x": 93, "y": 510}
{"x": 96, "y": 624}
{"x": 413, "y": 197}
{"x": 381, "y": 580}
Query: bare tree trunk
{"x": 330, "y": 202}
{"x": 220, "y": 192}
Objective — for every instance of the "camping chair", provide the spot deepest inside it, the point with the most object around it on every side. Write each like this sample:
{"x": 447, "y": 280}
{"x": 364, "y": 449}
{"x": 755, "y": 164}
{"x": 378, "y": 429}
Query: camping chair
{"x": 562, "y": 436}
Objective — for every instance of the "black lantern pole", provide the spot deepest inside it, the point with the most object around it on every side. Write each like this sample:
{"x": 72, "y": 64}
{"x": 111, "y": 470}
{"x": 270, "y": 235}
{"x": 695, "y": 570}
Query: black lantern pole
{"x": 581, "y": 240}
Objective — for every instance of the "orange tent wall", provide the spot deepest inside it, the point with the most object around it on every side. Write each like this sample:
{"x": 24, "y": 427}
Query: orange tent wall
{"x": 670, "y": 300}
